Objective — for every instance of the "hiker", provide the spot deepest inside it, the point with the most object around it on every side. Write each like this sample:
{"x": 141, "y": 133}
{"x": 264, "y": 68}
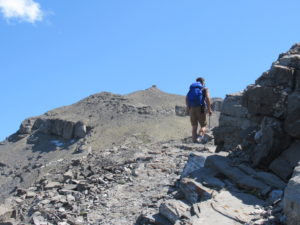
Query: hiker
{"x": 198, "y": 104}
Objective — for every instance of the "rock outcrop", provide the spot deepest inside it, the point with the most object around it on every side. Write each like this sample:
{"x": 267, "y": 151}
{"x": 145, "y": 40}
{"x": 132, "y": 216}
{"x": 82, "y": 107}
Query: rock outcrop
{"x": 263, "y": 121}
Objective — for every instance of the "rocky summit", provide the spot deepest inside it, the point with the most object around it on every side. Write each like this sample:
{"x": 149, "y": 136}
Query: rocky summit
{"x": 129, "y": 159}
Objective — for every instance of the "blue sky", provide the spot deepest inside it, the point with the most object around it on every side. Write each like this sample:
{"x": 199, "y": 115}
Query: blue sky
{"x": 54, "y": 53}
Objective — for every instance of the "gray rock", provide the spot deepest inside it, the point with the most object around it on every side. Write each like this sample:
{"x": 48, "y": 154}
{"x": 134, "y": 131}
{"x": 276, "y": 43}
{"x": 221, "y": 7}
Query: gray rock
{"x": 52, "y": 184}
{"x": 291, "y": 199}
{"x": 26, "y": 126}
{"x": 267, "y": 101}
{"x": 194, "y": 191}
{"x": 195, "y": 162}
{"x": 222, "y": 165}
{"x": 297, "y": 80}
{"x": 292, "y": 122}
{"x": 292, "y": 60}
{"x": 181, "y": 111}
{"x": 232, "y": 105}
{"x": 68, "y": 130}
{"x": 284, "y": 165}
{"x": 6, "y": 212}
{"x": 80, "y": 130}
{"x": 173, "y": 210}
{"x": 216, "y": 104}
{"x": 272, "y": 142}
{"x": 277, "y": 76}
{"x": 206, "y": 176}
{"x": 152, "y": 219}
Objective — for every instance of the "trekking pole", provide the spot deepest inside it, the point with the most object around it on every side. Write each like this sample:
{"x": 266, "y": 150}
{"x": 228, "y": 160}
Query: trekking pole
{"x": 209, "y": 122}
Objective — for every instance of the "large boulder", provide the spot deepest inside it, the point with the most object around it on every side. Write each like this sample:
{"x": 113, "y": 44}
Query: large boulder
{"x": 266, "y": 101}
{"x": 284, "y": 165}
{"x": 277, "y": 76}
{"x": 291, "y": 199}
{"x": 232, "y": 123}
{"x": 292, "y": 122}
{"x": 271, "y": 139}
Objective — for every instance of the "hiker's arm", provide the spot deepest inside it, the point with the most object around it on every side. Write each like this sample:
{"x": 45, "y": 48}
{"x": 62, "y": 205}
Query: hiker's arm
{"x": 207, "y": 100}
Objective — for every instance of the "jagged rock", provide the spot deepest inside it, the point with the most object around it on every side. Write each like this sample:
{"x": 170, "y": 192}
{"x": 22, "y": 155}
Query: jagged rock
{"x": 68, "y": 130}
{"x": 292, "y": 199}
{"x": 195, "y": 162}
{"x": 181, "y": 111}
{"x": 292, "y": 122}
{"x": 152, "y": 219}
{"x": 292, "y": 60}
{"x": 216, "y": 104}
{"x": 233, "y": 121}
{"x": 297, "y": 80}
{"x": 272, "y": 142}
{"x": 232, "y": 106}
{"x": 222, "y": 165}
{"x": 173, "y": 210}
{"x": 194, "y": 191}
{"x": 80, "y": 130}
{"x": 284, "y": 165}
{"x": 26, "y": 126}
{"x": 69, "y": 174}
{"x": 206, "y": 176}
{"x": 52, "y": 184}
{"x": 266, "y": 101}
{"x": 6, "y": 211}
{"x": 277, "y": 76}
{"x": 270, "y": 179}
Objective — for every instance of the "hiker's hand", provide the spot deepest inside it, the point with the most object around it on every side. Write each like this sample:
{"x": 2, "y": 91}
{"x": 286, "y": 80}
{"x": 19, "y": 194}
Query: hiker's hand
{"x": 209, "y": 112}
{"x": 187, "y": 109}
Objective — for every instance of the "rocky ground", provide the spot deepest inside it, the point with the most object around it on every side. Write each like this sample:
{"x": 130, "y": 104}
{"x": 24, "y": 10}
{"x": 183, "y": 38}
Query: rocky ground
{"x": 170, "y": 182}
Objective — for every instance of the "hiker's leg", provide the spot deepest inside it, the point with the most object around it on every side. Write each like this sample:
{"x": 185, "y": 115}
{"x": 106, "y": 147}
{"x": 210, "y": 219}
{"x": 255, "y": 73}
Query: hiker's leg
{"x": 194, "y": 122}
{"x": 194, "y": 133}
{"x": 202, "y": 131}
{"x": 203, "y": 124}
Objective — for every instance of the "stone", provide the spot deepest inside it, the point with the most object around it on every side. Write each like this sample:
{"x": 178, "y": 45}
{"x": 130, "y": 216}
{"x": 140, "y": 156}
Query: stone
{"x": 194, "y": 191}
{"x": 292, "y": 60}
{"x": 206, "y": 176}
{"x": 283, "y": 166}
{"x": 222, "y": 165}
{"x": 232, "y": 105}
{"x": 69, "y": 174}
{"x": 216, "y": 104}
{"x": 266, "y": 101}
{"x": 26, "y": 126}
{"x": 233, "y": 122}
{"x": 6, "y": 212}
{"x": 57, "y": 127}
{"x": 195, "y": 162}
{"x": 292, "y": 122}
{"x": 173, "y": 210}
{"x": 152, "y": 219}
{"x": 297, "y": 80}
{"x": 181, "y": 111}
{"x": 52, "y": 184}
{"x": 270, "y": 179}
{"x": 272, "y": 142}
{"x": 68, "y": 130}
{"x": 80, "y": 130}
{"x": 277, "y": 76}
{"x": 291, "y": 200}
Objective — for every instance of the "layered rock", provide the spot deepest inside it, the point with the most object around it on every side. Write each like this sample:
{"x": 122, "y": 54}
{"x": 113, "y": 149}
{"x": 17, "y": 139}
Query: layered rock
{"x": 264, "y": 120}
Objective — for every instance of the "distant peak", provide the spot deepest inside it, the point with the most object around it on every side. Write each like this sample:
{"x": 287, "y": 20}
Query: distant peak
{"x": 153, "y": 88}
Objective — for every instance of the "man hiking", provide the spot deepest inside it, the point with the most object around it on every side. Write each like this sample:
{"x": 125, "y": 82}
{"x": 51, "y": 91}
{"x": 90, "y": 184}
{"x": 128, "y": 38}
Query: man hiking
{"x": 198, "y": 104}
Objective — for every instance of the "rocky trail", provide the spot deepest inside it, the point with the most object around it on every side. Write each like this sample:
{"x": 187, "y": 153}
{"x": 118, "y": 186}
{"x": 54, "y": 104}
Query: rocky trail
{"x": 173, "y": 182}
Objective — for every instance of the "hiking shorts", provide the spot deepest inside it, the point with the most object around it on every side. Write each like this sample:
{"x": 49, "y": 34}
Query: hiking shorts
{"x": 198, "y": 115}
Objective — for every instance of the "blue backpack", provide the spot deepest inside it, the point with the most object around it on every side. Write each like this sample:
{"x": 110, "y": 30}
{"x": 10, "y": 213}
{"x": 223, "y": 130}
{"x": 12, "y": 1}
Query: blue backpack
{"x": 196, "y": 95}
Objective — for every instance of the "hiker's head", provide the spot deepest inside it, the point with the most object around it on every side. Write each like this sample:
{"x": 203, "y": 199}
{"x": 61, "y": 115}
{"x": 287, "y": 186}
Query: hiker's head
{"x": 201, "y": 80}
